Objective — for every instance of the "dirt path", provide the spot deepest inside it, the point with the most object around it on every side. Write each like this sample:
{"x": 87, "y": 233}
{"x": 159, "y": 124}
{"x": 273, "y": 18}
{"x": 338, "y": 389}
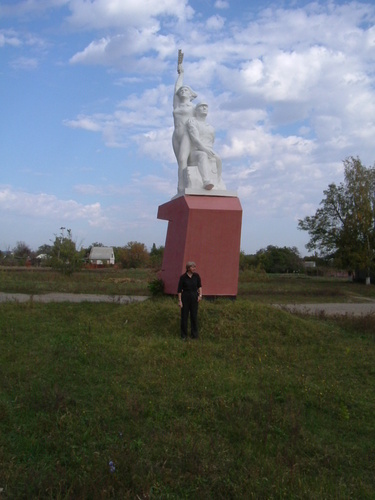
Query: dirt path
{"x": 331, "y": 309}
{"x": 70, "y": 297}
{"x": 342, "y": 309}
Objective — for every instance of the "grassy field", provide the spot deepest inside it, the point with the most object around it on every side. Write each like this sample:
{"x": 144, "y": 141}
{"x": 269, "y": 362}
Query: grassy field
{"x": 258, "y": 287}
{"x": 104, "y": 401}
{"x": 99, "y": 281}
{"x": 300, "y": 288}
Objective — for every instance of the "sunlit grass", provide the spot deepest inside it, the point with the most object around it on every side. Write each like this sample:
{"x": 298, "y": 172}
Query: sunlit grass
{"x": 264, "y": 405}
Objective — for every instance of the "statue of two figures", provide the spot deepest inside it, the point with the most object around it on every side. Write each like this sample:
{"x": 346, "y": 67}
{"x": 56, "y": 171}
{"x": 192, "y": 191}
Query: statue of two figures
{"x": 199, "y": 167}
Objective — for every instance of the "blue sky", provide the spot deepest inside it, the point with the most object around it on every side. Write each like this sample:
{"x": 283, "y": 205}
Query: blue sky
{"x": 86, "y": 94}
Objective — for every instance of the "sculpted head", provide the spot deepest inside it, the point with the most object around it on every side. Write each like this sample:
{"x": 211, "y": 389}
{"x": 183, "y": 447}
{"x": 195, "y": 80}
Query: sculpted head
{"x": 187, "y": 92}
{"x": 201, "y": 109}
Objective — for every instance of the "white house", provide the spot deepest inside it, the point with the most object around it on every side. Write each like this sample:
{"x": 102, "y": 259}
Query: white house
{"x": 102, "y": 255}
{"x": 309, "y": 263}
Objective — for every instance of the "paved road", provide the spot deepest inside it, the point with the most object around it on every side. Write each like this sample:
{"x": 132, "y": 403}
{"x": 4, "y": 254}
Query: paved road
{"x": 70, "y": 297}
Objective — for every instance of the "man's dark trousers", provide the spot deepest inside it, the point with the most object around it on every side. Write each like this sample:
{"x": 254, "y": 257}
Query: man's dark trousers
{"x": 189, "y": 305}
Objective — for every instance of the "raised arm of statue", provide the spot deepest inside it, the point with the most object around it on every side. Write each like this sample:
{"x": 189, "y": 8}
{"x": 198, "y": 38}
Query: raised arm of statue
{"x": 180, "y": 79}
{"x": 179, "y": 83}
{"x": 183, "y": 109}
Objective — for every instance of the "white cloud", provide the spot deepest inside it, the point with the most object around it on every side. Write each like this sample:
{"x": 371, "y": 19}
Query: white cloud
{"x": 127, "y": 51}
{"x": 290, "y": 69}
{"x": 221, "y": 4}
{"x": 24, "y": 63}
{"x": 85, "y": 123}
{"x": 215, "y": 23}
{"x": 98, "y": 14}
{"x": 14, "y": 39}
{"x": 138, "y": 119}
{"x": 9, "y": 37}
{"x": 46, "y": 206}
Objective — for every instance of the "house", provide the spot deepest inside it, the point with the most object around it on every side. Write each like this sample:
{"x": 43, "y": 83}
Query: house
{"x": 101, "y": 256}
{"x": 309, "y": 263}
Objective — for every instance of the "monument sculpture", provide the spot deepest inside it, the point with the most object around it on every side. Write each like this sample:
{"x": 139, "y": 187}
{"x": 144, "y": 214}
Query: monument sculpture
{"x": 199, "y": 167}
{"x": 204, "y": 218}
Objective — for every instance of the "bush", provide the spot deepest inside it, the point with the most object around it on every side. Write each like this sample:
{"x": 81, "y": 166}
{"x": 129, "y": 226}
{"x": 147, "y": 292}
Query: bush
{"x": 156, "y": 287}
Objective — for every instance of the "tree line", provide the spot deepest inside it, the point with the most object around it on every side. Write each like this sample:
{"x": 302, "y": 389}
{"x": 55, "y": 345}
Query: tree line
{"x": 63, "y": 254}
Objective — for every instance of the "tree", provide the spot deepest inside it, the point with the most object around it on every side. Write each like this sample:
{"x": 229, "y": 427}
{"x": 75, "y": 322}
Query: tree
{"x": 134, "y": 254}
{"x": 156, "y": 256}
{"x": 65, "y": 256}
{"x": 44, "y": 250}
{"x": 21, "y": 251}
{"x": 247, "y": 261}
{"x": 279, "y": 260}
{"x": 343, "y": 227}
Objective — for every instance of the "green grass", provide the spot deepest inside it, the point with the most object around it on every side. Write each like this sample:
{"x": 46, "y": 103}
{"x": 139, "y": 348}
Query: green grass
{"x": 265, "y": 405}
{"x": 300, "y": 288}
{"x": 258, "y": 287}
{"x": 107, "y": 281}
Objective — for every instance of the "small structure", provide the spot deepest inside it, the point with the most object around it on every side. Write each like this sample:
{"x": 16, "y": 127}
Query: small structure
{"x": 100, "y": 256}
{"x": 309, "y": 263}
{"x": 42, "y": 256}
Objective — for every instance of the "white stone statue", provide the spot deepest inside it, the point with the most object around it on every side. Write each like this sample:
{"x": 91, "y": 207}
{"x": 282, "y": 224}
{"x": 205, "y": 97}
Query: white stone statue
{"x": 183, "y": 109}
{"x": 202, "y": 137}
{"x": 199, "y": 166}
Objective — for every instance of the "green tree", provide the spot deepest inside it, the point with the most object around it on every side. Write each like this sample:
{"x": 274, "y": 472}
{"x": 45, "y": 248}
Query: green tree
{"x": 247, "y": 261}
{"x": 156, "y": 256}
{"x": 21, "y": 251}
{"x": 279, "y": 260}
{"x": 65, "y": 256}
{"x": 133, "y": 255}
{"x": 44, "y": 249}
{"x": 343, "y": 227}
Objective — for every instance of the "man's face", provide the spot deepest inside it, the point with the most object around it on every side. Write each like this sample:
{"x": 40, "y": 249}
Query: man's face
{"x": 202, "y": 110}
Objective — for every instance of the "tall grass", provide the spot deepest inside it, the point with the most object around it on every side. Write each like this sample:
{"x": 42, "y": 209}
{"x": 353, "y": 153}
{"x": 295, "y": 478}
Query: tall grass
{"x": 105, "y": 401}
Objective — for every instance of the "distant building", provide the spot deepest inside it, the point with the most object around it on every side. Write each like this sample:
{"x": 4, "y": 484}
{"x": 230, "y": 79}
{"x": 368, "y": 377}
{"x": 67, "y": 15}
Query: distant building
{"x": 102, "y": 255}
{"x": 42, "y": 256}
{"x": 309, "y": 263}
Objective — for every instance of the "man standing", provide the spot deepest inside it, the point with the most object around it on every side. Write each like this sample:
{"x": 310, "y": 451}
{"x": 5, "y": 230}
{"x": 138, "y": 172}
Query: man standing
{"x": 189, "y": 295}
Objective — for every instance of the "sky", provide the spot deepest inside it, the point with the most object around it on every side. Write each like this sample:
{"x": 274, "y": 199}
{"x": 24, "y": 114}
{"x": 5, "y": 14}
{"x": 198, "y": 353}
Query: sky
{"x": 86, "y": 93}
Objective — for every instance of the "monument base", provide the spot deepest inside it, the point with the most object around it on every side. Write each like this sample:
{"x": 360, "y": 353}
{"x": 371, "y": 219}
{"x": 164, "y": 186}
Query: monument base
{"x": 206, "y": 230}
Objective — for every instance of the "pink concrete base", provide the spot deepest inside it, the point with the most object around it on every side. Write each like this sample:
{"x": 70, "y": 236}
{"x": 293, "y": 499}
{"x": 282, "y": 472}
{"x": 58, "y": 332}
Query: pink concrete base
{"x": 206, "y": 230}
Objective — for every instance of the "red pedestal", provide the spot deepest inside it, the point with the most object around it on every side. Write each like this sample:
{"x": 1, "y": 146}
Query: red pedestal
{"x": 206, "y": 230}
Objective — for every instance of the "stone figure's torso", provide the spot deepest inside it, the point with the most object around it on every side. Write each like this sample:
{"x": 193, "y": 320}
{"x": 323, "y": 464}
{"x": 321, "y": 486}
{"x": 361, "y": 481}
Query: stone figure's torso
{"x": 205, "y": 132}
{"x": 181, "y": 114}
